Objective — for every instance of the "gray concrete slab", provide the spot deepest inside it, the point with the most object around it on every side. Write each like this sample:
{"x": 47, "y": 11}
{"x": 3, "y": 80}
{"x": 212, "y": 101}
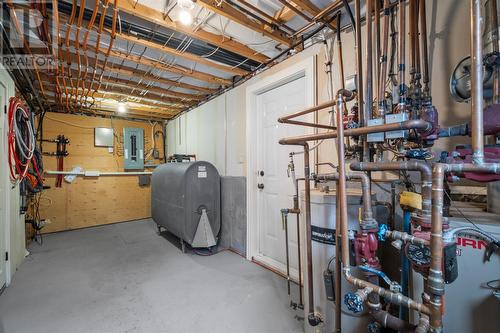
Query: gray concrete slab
{"x": 126, "y": 278}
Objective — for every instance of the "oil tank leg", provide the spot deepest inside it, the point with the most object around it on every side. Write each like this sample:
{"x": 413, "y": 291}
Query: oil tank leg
{"x": 159, "y": 229}
{"x": 183, "y": 246}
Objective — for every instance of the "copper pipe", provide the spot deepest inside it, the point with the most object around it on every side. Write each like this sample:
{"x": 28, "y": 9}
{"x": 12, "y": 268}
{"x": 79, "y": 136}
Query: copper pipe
{"x": 359, "y": 58}
{"x": 417, "y": 42}
{"x": 77, "y": 47}
{"x": 303, "y": 123}
{"x": 365, "y": 189}
{"x": 68, "y": 55}
{"x": 306, "y": 111}
{"x": 26, "y": 46}
{"x": 55, "y": 14}
{"x": 435, "y": 283}
{"x": 111, "y": 41}
{"x": 396, "y": 298}
{"x": 388, "y": 320}
{"x": 378, "y": 54}
{"x": 369, "y": 63}
{"x": 318, "y": 17}
{"x": 338, "y": 263}
{"x": 402, "y": 52}
{"x": 340, "y": 53}
{"x": 383, "y": 61}
{"x": 268, "y": 18}
{"x": 496, "y": 74}
{"x": 411, "y": 26}
{"x": 85, "y": 43}
{"x": 417, "y": 124}
{"x": 425, "y": 175}
{"x": 359, "y": 76}
{"x": 406, "y": 238}
{"x": 477, "y": 102}
{"x": 423, "y": 323}
{"x": 425, "y": 57}
{"x": 313, "y": 318}
{"x": 98, "y": 45}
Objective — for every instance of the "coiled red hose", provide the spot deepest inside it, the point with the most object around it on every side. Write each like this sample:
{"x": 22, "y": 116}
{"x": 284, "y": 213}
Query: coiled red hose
{"x": 21, "y": 140}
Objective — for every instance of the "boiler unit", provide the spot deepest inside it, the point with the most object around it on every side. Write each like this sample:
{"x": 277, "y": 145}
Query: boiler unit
{"x": 475, "y": 293}
{"x": 185, "y": 200}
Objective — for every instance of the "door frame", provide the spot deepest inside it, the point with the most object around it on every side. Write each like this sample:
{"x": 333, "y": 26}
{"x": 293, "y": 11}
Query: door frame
{"x": 305, "y": 68}
{"x": 5, "y": 217}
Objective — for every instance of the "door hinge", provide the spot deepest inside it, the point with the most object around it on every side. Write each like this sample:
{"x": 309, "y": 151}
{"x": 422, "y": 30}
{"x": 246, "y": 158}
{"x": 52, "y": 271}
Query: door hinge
{"x": 6, "y": 256}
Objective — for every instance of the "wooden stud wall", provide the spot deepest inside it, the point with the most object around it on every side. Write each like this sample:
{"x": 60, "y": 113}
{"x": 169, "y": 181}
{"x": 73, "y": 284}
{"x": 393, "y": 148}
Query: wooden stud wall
{"x": 93, "y": 201}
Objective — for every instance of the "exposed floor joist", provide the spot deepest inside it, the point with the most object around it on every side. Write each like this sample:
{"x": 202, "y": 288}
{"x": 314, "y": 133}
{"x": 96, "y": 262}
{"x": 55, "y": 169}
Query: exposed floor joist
{"x": 134, "y": 8}
{"x": 185, "y": 55}
{"x": 128, "y": 91}
{"x": 226, "y": 10}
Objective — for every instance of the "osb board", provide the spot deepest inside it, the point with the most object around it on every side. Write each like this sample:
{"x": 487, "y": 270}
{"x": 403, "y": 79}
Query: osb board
{"x": 93, "y": 201}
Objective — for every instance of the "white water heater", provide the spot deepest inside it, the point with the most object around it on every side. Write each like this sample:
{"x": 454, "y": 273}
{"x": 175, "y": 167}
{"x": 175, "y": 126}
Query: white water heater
{"x": 323, "y": 221}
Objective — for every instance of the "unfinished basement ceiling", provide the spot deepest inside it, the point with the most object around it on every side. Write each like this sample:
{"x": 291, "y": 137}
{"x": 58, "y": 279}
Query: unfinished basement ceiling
{"x": 154, "y": 64}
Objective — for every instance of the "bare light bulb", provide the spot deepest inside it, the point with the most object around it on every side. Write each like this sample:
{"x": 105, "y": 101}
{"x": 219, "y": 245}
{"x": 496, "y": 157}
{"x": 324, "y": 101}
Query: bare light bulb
{"x": 122, "y": 108}
{"x": 185, "y": 17}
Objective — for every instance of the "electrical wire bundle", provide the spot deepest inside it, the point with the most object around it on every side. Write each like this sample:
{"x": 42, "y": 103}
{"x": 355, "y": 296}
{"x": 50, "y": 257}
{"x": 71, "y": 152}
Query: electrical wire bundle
{"x": 21, "y": 142}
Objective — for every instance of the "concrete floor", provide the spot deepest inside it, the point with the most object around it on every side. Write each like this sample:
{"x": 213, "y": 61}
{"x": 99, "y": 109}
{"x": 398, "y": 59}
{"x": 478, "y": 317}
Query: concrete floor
{"x": 126, "y": 278}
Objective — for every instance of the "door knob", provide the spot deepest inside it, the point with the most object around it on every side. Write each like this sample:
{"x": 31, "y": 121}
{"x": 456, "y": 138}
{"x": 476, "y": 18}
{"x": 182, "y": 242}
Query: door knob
{"x": 261, "y": 173}
{"x": 260, "y": 186}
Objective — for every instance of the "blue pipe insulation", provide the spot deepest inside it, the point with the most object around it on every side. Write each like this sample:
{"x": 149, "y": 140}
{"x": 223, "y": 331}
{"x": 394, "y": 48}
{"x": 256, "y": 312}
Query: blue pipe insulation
{"x": 405, "y": 264}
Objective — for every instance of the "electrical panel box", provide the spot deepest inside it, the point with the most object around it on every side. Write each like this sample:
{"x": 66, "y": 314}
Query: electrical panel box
{"x": 133, "y": 148}
{"x": 396, "y": 118}
{"x": 375, "y": 137}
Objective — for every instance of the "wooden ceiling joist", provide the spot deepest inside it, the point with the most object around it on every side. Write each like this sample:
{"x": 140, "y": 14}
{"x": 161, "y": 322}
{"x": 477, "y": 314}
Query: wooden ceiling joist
{"x": 111, "y": 110}
{"x": 128, "y": 91}
{"x": 142, "y": 108}
{"x": 154, "y": 89}
{"x": 185, "y": 55}
{"x": 285, "y": 14}
{"x": 224, "y": 9}
{"x": 133, "y": 72}
{"x": 139, "y": 86}
{"x": 308, "y": 6}
{"x": 175, "y": 69}
{"x": 134, "y": 8}
{"x": 293, "y": 7}
{"x": 105, "y": 112}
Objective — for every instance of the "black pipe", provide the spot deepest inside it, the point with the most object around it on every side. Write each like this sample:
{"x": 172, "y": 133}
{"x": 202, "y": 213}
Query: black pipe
{"x": 169, "y": 39}
{"x": 349, "y": 12}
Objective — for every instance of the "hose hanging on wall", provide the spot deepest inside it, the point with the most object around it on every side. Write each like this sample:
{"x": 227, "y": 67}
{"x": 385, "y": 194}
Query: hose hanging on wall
{"x": 21, "y": 140}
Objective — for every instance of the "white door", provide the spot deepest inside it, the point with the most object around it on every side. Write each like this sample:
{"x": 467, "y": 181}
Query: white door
{"x": 3, "y": 187}
{"x": 272, "y": 162}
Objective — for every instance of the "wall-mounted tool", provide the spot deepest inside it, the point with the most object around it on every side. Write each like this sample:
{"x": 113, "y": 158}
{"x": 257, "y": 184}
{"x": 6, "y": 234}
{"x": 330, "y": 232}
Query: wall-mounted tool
{"x": 61, "y": 141}
{"x": 133, "y": 148}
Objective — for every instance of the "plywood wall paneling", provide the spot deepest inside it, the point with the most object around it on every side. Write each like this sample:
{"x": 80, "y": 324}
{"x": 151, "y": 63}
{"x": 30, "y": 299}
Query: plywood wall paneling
{"x": 93, "y": 201}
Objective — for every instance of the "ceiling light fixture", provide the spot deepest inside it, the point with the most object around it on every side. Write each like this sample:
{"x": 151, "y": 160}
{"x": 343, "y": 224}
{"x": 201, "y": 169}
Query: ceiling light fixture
{"x": 122, "y": 107}
{"x": 185, "y": 16}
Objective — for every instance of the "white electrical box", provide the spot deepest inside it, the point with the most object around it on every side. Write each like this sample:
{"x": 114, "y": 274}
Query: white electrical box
{"x": 375, "y": 137}
{"x": 396, "y": 118}
{"x": 103, "y": 137}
